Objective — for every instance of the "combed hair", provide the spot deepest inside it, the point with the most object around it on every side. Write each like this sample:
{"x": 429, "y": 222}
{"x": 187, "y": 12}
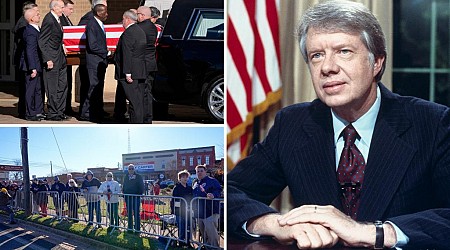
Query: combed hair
{"x": 28, "y": 6}
{"x": 347, "y": 17}
{"x": 155, "y": 12}
{"x": 29, "y": 13}
{"x": 53, "y": 3}
{"x": 66, "y": 2}
{"x": 131, "y": 14}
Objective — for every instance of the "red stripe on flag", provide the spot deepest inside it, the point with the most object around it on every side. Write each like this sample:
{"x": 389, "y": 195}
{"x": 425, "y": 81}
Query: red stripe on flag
{"x": 239, "y": 59}
{"x": 272, "y": 16}
{"x": 234, "y": 119}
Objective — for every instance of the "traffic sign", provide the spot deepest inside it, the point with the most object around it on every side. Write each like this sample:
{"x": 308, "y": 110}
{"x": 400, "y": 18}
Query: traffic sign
{"x": 10, "y": 168}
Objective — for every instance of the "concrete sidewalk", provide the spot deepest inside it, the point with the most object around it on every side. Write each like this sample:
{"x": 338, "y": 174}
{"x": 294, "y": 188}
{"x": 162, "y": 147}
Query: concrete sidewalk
{"x": 178, "y": 114}
{"x": 28, "y": 235}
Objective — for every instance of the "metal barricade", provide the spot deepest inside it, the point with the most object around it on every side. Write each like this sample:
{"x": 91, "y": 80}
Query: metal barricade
{"x": 207, "y": 222}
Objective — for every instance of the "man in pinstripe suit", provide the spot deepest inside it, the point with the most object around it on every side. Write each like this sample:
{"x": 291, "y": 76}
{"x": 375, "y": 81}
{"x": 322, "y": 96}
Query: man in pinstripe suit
{"x": 404, "y": 141}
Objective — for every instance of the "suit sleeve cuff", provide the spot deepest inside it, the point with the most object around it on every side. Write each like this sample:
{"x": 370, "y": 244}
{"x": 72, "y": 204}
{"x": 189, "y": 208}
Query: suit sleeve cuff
{"x": 402, "y": 238}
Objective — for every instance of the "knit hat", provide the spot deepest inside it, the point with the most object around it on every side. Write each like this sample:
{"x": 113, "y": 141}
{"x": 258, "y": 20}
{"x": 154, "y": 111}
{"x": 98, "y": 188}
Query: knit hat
{"x": 89, "y": 172}
{"x": 4, "y": 190}
{"x": 56, "y": 178}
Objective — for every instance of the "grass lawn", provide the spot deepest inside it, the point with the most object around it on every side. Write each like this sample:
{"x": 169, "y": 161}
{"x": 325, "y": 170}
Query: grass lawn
{"x": 118, "y": 238}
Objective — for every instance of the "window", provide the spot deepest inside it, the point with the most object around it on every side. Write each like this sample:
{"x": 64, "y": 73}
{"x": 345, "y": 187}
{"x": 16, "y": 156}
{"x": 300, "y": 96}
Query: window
{"x": 199, "y": 160}
{"x": 183, "y": 161}
{"x": 163, "y": 164}
{"x": 207, "y": 160}
{"x": 209, "y": 25}
{"x": 422, "y": 59}
{"x": 191, "y": 161}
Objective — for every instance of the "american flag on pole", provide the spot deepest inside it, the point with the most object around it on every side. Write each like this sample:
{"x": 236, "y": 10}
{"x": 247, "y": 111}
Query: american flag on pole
{"x": 253, "y": 74}
{"x": 74, "y": 38}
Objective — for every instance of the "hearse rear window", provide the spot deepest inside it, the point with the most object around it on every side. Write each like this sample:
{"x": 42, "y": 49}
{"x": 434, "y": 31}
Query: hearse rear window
{"x": 209, "y": 25}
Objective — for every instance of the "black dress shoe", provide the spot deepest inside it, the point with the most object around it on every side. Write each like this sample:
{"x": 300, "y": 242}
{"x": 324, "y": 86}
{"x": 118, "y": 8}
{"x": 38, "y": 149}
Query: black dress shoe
{"x": 54, "y": 118}
{"x": 70, "y": 112}
{"x": 83, "y": 118}
{"x": 33, "y": 118}
{"x": 65, "y": 117}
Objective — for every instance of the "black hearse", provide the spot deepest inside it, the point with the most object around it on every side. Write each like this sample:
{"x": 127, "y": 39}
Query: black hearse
{"x": 190, "y": 56}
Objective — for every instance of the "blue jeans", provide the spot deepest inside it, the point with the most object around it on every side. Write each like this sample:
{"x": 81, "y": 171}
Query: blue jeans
{"x": 133, "y": 204}
{"x": 91, "y": 206}
{"x": 181, "y": 222}
{"x": 113, "y": 210}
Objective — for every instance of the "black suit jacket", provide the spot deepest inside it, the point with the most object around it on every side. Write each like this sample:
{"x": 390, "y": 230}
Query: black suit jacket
{"x": 130, "y": 54}
{"x": 151, "y": 34}
{"x": 18, "y": 30}
{"x": 407, "y": 177}
{"x": 51, "y": 41}
{"x": 31, "y": 56}
{"x": 65, "y": 21}
{"x": 96, "y": 48}
{"x": 85, "y": 19}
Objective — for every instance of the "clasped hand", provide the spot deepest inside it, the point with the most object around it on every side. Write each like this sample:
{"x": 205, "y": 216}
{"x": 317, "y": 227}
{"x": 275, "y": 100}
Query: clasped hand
{"x": 324, "y": 226}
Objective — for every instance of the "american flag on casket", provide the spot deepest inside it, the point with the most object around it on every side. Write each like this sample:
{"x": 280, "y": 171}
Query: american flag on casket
{"x": 74, "y": 38}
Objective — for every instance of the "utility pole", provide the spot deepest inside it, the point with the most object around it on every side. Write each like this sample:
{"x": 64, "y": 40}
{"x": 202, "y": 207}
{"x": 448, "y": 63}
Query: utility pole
{"x": 26, "y": 169}
{"x": 51, "y": 169}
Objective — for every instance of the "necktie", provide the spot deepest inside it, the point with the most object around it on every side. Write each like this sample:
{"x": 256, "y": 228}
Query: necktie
{"x": 350, "y": 173}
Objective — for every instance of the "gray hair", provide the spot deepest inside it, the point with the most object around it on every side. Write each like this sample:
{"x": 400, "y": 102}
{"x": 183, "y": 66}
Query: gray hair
{"x": 131, "y": 14}
{"x": 348, "y": 17}
{"x": 28, "y": 6}
{"x": 53, "y": 3}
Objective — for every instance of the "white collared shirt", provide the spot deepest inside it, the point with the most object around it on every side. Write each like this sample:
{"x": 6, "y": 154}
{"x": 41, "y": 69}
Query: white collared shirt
{"x": 35, "y": 26}
{"x": 56, "y": 17}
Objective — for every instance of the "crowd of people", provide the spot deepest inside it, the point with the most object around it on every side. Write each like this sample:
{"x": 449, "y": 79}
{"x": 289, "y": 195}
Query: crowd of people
{"x": 66, "y": 201}
{"x": 40, "y": 59}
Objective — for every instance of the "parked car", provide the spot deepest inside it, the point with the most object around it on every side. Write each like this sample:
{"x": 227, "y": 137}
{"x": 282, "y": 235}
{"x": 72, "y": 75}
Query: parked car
{"x": 190, "y": 56}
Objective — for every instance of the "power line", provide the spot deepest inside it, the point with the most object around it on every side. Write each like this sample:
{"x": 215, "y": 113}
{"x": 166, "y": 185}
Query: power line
{"x": 62, "y": 158}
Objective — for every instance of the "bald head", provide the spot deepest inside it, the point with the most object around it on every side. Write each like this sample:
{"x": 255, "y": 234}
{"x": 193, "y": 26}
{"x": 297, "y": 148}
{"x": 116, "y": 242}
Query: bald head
{"x": 143, "y": 13}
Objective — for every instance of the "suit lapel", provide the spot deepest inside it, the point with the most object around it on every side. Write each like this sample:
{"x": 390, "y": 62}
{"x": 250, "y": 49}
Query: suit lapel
{"x": 316, "y": 157}
{"x": 388, "y": 160}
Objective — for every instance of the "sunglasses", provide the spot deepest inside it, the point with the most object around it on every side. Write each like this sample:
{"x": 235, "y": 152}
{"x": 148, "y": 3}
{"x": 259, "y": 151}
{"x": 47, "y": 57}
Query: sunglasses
{"x": 131, "y": 169}
{"x": 109, "y": 176}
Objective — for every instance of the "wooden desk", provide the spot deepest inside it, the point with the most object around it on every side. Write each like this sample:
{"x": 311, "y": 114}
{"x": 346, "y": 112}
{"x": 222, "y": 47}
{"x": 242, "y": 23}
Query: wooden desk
{"x": 239, "y": 244}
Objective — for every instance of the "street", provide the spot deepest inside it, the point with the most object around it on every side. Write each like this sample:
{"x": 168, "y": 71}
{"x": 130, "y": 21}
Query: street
{"x": 25, "y": 235}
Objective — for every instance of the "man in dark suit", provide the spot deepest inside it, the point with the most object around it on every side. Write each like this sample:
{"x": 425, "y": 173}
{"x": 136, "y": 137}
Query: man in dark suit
{"x": 130, "y": 69}
{"x": 96, "y": 63}
{"x": 55, "y": 74}
{"x": 30, "y": 64}
{"x": 84, "y": 77}
{"x": 65, "y": 21}
{"x": 383, "y": 182}
{"x": 17, "y": 52}
{"x": 144, "y": 15}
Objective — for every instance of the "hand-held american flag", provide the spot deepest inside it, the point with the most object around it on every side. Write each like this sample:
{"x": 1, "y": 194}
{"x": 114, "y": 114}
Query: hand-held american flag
{"x": 253, "y": 74}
